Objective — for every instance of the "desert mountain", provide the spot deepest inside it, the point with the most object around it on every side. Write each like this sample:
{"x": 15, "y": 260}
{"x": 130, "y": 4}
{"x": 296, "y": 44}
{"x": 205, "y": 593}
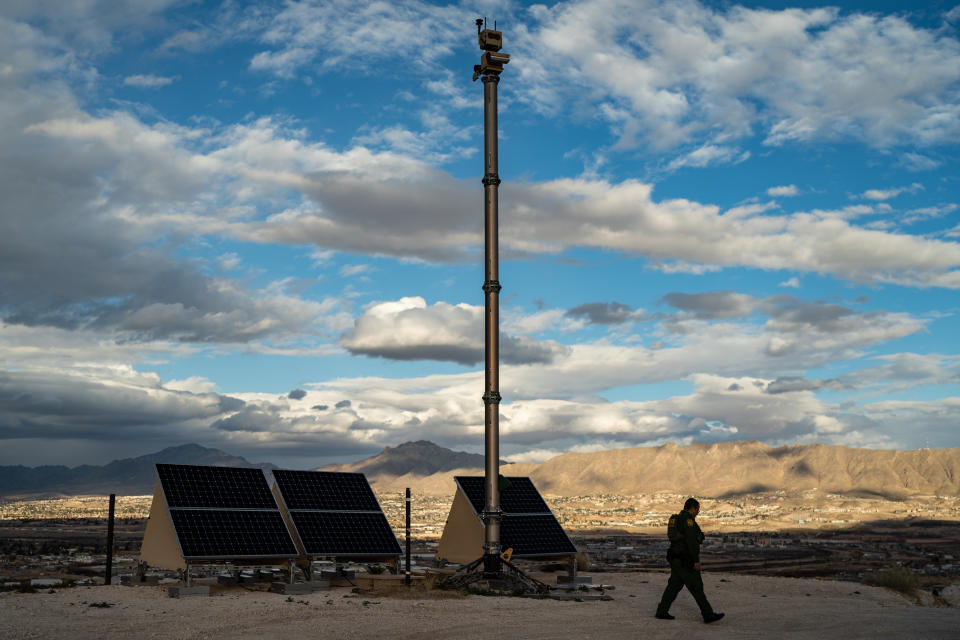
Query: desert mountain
{"x": 129, "y": 476}
{"x": 421, "y": 458}
{"x": 422, "y": 465}
{"x": 728, "y": 468}
{"x": 710, "y": 470}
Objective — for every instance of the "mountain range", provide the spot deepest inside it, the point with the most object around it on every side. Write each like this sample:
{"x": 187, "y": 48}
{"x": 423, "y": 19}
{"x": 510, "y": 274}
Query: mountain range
{"x": 129, "y": 476}
{"x": 709, "y": 470}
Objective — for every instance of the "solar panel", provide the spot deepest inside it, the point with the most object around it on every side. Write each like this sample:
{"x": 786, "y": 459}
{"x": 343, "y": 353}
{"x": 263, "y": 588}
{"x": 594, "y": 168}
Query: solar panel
{"x": 528, "y": 525}
{"x": 345, "y": 533}
{"x": 519, "y": 496}
{"x": 537, "y": 535}
{"x": 221, "y": 533}
{"x": 224, "y": 513}
{"x": 215, "y": 487}
{"x": 326, "y": 491}
{"x": 336, "y": 514}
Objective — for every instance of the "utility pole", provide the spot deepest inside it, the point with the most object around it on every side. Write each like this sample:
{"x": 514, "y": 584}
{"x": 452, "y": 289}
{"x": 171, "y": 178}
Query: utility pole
{"x": 489, "y": 70}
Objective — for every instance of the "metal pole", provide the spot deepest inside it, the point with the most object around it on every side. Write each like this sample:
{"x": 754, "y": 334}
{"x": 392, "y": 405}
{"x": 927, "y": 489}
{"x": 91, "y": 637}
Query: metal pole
{"x": 490, "y": 68}
{"x": 406, "y": 579}
{"x": 109, "y": 568}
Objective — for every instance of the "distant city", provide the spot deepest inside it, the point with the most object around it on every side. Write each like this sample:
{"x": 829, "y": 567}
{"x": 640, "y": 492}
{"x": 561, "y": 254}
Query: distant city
{"x": 807, "y": 533}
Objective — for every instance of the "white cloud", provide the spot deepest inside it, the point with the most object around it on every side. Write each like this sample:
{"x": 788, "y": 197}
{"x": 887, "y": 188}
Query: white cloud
{"x": 918, "y": 162}
{"x": 193, "y": 384}
{"x": 886, "y": 194}
{"x": 229, "y": 261}
{"x": 148, "y": 81}
{"x": 350, "y": 270}
{"x": 343, "y": 33}
{"x": 784, "y": 191}
{"x": 666, "y": 74}
{"x": 793, "y": 283}
{"x": 407, "y": 329}
{"x": 387, "y": 203}
{"x": 708, "y": 155}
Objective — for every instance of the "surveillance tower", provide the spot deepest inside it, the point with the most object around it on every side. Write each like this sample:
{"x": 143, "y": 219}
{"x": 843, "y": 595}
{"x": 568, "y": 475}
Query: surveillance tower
{"x": 489, "y": 70}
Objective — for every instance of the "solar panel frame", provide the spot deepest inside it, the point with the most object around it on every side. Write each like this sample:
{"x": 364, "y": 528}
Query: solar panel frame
{"x": 536, "y": 521}
{"x": 194, "y": 509}
{"x": 340, "y": 504}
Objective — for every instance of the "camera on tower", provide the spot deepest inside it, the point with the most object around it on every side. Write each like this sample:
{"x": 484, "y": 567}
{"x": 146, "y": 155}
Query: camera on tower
{"x": 491, "y": 40}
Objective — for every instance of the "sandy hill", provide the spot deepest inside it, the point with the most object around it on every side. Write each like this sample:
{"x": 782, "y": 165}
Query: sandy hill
{"x": 745, "y": 467}
{"x": 711, "y": 470}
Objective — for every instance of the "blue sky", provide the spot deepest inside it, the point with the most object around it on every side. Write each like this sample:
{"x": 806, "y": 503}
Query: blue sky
{"x": 259, "y": 226}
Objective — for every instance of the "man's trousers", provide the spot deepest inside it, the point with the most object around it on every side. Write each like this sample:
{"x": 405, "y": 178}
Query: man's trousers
{"x": 680, "y": 577}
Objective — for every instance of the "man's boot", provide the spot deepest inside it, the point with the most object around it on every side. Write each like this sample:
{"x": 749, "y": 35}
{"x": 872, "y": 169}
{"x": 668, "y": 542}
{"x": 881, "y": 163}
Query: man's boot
{"x": 713, "y": 617}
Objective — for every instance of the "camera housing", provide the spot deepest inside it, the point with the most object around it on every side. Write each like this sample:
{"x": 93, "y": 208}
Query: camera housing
{"x": 491, "y": 40}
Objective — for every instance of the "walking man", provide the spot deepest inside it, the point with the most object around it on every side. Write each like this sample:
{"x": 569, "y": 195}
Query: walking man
{"x": 684, "y": 557}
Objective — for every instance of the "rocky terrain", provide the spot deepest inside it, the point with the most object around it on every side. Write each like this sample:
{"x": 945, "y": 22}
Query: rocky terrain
{"x": 721, "y": 470}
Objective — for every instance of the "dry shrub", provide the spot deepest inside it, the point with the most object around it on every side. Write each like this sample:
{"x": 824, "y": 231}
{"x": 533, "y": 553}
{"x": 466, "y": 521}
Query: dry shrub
{"x": 419, "y": 590}
{"x": 899, "y": 579}
{"x": 583, "y": 561}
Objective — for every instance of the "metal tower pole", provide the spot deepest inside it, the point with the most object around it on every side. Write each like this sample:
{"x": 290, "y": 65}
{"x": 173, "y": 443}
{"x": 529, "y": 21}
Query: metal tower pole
{"x": 490, "y": 67}
{"x": 491, "y": 287}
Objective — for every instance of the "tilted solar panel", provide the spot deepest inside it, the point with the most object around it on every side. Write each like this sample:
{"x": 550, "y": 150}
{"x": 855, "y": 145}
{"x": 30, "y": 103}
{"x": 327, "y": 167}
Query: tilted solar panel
{"x": 215, "y": 487}
{"x": 325, "y": 490}
{"x": 224, "y": 513}
{"x": 345, "y": 533}
{"x": 537, "y": 535}
{"x": 223, "y": 533}
{"x": 528, "y": 525}
{"x": 519, "y": 496}
{"x": 336, "y": 514}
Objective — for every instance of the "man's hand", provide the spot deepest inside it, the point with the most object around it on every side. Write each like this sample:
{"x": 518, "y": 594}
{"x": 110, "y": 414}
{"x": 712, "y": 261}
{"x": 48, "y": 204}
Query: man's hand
{"x": 696, "y": 566}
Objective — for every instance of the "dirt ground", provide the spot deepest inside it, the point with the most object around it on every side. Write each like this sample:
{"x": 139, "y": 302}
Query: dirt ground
{"x": 756, "y": 607}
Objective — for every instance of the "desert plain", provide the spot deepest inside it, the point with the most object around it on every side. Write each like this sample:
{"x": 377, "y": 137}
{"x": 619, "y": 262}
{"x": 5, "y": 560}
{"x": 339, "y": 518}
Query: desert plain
{"x": 755, "y": 607}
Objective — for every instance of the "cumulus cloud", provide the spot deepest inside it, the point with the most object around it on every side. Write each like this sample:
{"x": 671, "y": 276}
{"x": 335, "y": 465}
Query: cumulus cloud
{"x": 783, "y": 191}
{"x": 148, "y": 81}
{"x": 550, "y": 406}
{"x": 793, "y": 283}
{"x": 385, "y": 203}
{"x": 792, "y": 384}
{"x": 886, "y": 194}
{"x": 408, "y": 329}
{"x": 666, "y": 74}
{"x": 913, "y": 161}
{"x": 708, "y": 155}
{"x": 347, "y": 34}
{"x": 712, "y": 304}
{"x": 364, "y": 214}
{"x": 602, "y": 312}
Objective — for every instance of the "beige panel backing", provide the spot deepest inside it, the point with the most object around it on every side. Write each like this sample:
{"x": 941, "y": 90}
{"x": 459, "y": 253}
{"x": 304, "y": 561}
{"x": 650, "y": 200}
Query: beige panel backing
{"x": 160, "y": 547}
{"x": 462, "y": 539}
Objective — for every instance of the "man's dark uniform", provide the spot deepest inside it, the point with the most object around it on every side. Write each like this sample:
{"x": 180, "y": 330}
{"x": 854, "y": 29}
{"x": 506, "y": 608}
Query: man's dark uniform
{"x": 685, "y": 539}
